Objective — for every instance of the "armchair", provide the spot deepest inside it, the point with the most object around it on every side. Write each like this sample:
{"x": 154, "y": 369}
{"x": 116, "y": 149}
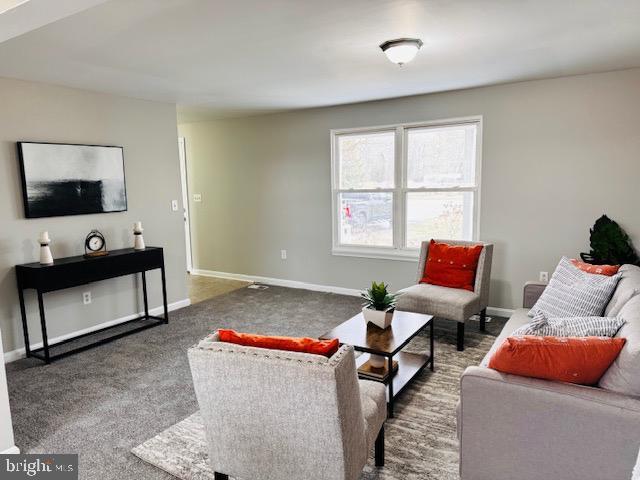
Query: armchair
{"x": 271, "y": 414}
{"x": 450, "y": 303}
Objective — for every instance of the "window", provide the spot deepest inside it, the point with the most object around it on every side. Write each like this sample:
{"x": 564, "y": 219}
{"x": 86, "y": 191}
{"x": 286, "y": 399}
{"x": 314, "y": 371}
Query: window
{"x": 395, "y": 186}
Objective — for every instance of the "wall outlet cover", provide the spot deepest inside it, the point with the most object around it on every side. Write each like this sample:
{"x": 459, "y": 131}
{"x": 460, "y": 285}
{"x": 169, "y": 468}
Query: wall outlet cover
{"x": 197, "y": 197}
{"x": 544, "y": 276}
{"x": 86, "y": 298}
{"x": 283, "y": 254}
{"x": 174, "y": 205}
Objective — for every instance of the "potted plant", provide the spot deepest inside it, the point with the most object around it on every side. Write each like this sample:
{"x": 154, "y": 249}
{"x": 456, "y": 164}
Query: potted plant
{"x": 378, "y": 305}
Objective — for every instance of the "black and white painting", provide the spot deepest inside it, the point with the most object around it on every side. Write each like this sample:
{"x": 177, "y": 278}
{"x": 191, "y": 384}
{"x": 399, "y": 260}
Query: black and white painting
{"x": 62, "y": 179}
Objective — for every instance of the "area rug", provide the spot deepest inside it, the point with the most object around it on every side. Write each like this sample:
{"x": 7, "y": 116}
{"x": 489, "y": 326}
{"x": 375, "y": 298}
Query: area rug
{"x": 421, "y": 439}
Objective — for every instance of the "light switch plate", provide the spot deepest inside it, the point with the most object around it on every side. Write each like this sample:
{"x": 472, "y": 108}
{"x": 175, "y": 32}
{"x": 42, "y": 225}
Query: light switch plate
{"x": 174, "y": 205}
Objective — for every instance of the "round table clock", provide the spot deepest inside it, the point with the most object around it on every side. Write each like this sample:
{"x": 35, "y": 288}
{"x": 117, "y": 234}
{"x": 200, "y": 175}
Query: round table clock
{"x": 95, "y": 245}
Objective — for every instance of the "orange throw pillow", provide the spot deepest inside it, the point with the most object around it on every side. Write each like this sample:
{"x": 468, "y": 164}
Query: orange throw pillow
{"x": 451, "y": 266}
{"x": 581, "y": 360}
{"x": 290, "y": 344}
{"x": 608, "y": 270}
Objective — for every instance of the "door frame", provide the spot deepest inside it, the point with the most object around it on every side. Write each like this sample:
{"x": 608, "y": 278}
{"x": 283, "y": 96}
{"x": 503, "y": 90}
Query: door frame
{"x": 184, "y": 184}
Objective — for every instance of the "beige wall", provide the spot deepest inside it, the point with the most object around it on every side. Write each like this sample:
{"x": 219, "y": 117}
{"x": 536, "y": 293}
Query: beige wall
{"x": 556, "y": 154}
{"x": 147, "y": 131}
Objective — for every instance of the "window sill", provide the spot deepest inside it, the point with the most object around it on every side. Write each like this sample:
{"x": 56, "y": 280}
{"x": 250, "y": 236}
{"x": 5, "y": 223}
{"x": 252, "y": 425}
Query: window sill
{"x": 377, "y": 253}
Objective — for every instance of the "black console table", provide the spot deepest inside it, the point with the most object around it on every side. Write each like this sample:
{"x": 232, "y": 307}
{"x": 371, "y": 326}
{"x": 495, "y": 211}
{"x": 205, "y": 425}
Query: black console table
{"x": 75, "y": 271}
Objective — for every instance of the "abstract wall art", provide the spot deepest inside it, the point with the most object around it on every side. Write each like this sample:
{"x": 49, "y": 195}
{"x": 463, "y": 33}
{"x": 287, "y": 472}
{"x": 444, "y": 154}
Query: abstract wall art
{"x": 64, "y": 179}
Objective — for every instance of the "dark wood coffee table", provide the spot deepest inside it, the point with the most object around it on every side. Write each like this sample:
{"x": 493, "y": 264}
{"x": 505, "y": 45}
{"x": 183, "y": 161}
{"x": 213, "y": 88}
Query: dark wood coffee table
{"x": 388, "y": 343}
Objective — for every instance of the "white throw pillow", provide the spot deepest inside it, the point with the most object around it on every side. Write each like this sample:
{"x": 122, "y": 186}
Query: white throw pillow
{"x": 571, "y": 327}
{"x": 574, "y": 293}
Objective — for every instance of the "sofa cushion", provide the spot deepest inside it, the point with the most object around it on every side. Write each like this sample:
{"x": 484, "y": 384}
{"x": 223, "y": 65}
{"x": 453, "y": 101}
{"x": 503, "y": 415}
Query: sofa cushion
{"x": 571, "y": 327}
{"x": 607, "y": 270}
{"x": 624, "y": 374}
{"x": 517, "y": 320}
{"x": 574, "y": 360}
{"x": 574, "y": 293}
{"x": 444, "y": 302}
{"x": 373, "y": 396}
{"x": 628, "y": 287}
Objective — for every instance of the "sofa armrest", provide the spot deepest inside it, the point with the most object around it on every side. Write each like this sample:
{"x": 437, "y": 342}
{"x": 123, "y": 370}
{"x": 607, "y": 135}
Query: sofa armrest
{"x": 531, "y": 293}
{"x": 516, "y": 427}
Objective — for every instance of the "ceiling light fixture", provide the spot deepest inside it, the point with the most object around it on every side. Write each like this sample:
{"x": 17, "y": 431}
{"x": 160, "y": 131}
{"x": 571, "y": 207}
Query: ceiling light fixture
{"x": 401, "y": 50}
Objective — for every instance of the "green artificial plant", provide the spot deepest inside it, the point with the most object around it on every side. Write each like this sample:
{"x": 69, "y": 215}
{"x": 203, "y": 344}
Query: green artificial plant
{"x": 378, "y": 297}
{"x": 610, "y": 244}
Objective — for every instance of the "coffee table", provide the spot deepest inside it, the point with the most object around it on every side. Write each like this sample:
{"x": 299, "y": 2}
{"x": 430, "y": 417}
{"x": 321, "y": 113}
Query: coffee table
{"x": 388, "y": 343}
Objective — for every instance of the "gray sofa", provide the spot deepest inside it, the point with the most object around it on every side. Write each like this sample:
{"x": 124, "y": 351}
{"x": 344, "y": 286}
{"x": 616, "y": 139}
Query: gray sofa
{"x": 515, "y": 427}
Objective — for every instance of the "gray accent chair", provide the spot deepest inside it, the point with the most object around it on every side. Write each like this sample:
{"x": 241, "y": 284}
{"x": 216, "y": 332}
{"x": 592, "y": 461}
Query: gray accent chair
{"x": 451, "y": 303}
{"x": 273, "y": 415}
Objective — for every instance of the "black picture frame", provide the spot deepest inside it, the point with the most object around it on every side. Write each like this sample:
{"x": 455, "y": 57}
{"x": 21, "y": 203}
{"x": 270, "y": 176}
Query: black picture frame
{"x": 31, "y": 211}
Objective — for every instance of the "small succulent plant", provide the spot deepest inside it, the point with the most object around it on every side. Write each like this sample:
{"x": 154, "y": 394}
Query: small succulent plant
{"x": 378, "y": 297}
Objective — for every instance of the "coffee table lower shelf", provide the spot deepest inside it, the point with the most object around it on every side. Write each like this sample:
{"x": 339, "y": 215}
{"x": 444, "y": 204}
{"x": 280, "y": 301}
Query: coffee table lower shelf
{"x": 409, "y": 365}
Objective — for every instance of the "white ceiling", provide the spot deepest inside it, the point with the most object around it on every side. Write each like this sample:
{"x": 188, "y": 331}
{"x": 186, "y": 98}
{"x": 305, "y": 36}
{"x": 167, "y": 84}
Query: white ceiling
{"x": 219, "y": 58}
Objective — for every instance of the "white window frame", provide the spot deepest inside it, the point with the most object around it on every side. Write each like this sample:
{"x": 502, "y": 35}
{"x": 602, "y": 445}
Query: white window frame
{"x": 400, "y": 190}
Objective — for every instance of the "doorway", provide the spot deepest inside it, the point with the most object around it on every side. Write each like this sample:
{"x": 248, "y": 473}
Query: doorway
{"x": 185, "y": 201}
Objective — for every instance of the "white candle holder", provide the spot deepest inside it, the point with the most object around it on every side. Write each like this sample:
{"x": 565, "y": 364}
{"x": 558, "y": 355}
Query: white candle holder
{"x": 45, "y": 252}
{"x": 138, "y": 240}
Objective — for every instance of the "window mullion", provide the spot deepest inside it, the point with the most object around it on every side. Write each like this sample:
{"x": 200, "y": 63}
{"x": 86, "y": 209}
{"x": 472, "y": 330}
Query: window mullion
{"x": 398, "y": 201}
{"x": 403, "y": 187}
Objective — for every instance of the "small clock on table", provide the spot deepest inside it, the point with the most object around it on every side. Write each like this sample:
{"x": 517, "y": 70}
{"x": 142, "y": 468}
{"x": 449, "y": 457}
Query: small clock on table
{"x": 95, "y": 245}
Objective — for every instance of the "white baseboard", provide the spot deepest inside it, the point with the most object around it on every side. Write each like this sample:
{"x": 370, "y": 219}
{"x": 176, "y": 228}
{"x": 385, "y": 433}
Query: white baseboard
{"x": 495, "y": 311}
{"x": 279, "y": 282}
{"x": 11, "y": 451}
{"x": 14, "y": 355}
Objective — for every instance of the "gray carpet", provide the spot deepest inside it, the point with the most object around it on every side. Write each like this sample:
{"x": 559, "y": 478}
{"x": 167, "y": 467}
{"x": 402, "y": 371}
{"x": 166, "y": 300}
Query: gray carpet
{"x": 104, "y": 402}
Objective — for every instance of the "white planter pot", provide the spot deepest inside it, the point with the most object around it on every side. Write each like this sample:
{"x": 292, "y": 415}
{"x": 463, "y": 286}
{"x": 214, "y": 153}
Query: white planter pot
{"x": 380, "y": 318}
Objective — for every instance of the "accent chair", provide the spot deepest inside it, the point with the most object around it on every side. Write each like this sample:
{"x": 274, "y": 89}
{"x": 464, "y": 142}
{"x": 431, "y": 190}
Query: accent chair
{"x": 451, "y": 303}
{"x": 272, "y": 414}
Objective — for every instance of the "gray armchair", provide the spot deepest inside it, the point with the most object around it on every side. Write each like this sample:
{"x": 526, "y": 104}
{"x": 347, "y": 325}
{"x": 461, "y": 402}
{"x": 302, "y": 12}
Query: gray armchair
{"x": 451, "y": 303}
{"x": 271, "y": 414}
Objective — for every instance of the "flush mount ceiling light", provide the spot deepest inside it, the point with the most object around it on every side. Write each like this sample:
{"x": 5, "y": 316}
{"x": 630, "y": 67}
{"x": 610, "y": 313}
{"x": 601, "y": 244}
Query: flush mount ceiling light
{"x": 401, "y": 50}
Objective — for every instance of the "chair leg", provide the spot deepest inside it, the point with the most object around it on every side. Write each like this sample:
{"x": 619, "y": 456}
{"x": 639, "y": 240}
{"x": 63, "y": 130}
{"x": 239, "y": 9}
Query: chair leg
{"x": 220, "y": 476}
{"x": 460, "y": 336}
{"x": 380, "y": 448}
{"x": 483, "y": 319}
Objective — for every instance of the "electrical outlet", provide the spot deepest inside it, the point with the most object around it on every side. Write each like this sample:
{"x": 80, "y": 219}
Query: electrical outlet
{"x": 283, "y": 254}
{"x": 197, "y": 197}
{"x": 86, "y": 298}
{"x": 174, "y": 205}
{"x": 544, "y": 276}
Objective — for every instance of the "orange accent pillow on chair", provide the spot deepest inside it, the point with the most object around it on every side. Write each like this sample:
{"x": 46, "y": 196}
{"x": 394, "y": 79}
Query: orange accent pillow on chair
{"x": 581, "y": 360}
{"x": 451, "y": 266}
{"x": 290, "y": 344}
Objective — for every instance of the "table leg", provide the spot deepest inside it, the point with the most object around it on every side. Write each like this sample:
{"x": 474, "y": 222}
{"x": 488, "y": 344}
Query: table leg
{"x": 431, "y": 341}
{"x": 390, "y": 402}
{"x": 25, "y": 328}
{"x": 144, "y": 294}
{"x": 43, "y": 324}
{"x": 164, "y": 295}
